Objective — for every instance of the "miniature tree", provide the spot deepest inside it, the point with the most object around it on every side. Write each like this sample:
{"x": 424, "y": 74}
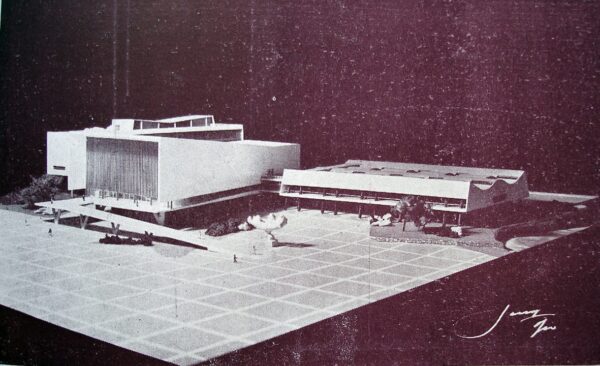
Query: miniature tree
{"x": 42, "y": 188}
{"x": 413, "y": 209}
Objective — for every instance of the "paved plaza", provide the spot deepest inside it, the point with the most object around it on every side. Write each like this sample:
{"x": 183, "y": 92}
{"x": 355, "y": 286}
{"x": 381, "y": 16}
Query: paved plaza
{"x": 186, "y": 305}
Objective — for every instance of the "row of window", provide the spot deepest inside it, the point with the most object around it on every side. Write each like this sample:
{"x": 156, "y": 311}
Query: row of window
{"x": 451, "y": 202}
{"x": 105, "y": 193}
{"x": 198, "y": 122}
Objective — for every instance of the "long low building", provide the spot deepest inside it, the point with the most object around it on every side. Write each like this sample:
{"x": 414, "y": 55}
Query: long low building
{"x": 447, "y": 188}
{"x": 165, "y": 165}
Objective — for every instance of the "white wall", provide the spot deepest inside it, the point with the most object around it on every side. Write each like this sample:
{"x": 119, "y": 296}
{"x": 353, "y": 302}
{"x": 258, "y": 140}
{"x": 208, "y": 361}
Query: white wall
{"x": 122, "y": 125}
{"x": 377, "y": 183}
{"x": 188, "y": 168}
{"x": 67, "y": 149}
{"x": 480, "y": 198}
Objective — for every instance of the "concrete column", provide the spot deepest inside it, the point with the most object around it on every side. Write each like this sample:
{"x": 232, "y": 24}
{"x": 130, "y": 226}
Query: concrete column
{"x": 159, "y": 217}
{"x": 56, "y": 213}
{"x": 83, "y": 221}
{"x": 115, "y": 228}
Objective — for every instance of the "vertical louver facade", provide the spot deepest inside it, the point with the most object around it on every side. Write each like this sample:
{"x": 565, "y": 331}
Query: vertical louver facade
{"x": 123, "y": 166}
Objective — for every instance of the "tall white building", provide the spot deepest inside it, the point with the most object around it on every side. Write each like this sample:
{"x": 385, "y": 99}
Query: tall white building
{"x": 164, "y": 165}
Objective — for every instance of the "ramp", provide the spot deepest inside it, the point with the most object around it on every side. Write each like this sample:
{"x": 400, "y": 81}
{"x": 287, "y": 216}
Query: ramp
{"x": 118, "y": 222}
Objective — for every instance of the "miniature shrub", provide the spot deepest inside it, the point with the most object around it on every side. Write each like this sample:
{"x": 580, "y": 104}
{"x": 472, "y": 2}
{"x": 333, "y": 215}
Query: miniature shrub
{"x": 40, "y": 189}
{"x": 224, "y": 228}
{"x": 413, "y": 209}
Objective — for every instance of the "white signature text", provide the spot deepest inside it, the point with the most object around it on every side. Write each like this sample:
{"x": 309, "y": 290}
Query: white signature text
{"x": 538, "y": 327}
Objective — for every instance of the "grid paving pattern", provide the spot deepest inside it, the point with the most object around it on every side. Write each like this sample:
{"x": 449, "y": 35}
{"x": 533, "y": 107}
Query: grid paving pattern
{"x": 185, "y": 305}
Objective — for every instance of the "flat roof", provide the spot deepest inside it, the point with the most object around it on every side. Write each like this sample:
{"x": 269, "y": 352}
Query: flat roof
{"x": 149, "y": 134}
{"x": 483, "y": 176}
{"x": 183, "y": 118}
{"x": 127, "y": 137}
{"x": 213, "y": 127}
{"x": 262, "y": 143}
{"x": 154, "y": 138}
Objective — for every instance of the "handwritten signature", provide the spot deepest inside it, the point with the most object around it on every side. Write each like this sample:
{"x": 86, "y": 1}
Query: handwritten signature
{"x": 539, "y": 327}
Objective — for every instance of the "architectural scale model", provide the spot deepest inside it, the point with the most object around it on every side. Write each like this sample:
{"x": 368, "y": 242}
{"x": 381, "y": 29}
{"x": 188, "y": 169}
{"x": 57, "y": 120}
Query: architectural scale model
{"x": 449, "y": 189}
{"x": 186, "y": 306}
{"x": 175, "y": 163}
{"x": 164, "y": 165}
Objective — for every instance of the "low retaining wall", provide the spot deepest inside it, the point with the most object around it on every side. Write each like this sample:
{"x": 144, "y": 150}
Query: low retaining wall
{"x": 436, "y": 241}
{"x": 395, "y": 234}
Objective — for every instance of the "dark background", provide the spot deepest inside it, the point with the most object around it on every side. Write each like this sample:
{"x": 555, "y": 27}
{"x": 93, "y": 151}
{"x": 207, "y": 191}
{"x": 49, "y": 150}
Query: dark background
{"x": 511, "y": 84}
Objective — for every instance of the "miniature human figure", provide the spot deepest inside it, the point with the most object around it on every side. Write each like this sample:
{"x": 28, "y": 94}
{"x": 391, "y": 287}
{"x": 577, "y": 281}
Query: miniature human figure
{"x": 83, "y": 197}
{"x": 254, "y": 249}
{"x": 235, "y": 258}
{"x": 50, "y": 232}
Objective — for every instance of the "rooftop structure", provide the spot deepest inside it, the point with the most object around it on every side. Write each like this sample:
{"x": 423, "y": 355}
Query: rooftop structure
{"x": 199, "y": 127}
{"x": 447, "y": 188}
{"x": 163, "y": 165}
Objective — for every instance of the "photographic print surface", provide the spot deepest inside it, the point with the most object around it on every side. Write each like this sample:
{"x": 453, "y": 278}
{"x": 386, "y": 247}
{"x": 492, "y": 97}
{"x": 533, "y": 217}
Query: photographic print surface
{"x": 299, "y": 182}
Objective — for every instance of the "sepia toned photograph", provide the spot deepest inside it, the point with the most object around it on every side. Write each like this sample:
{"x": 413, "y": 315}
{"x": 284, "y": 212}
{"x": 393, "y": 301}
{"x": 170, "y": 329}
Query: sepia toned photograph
{"x": 247, "y": 182}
